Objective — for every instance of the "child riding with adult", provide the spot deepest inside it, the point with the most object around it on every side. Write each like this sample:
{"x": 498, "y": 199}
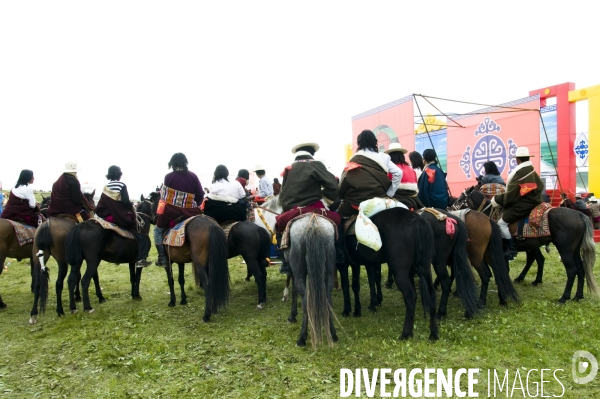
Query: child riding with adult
{"x": 366, "y": 175}
{"x": 305, "y": 183}
{"x": 180, "y": 196}
{"x": 523, "y": 193}
{"x": 21, "y": 206}
{"x": 407, "y": 189}
{"x": 226, "y": 200}
{"x": 66, "y": 197}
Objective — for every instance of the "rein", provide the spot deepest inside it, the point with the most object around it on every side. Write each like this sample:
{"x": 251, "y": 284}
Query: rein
{"x": 262, "y": 218}
{"x": 268, "y": 210}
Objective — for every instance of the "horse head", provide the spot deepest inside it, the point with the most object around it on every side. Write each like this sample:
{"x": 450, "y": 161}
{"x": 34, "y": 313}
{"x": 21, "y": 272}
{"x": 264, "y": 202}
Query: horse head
{"x": 145, "y": 214}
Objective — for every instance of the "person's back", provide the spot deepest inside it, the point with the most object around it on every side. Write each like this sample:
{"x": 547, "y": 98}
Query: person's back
{"x": 407, "y": 189}
{"x": 21, "y": 205}
{"x": 433, "y": 190}
{"x": 65, "y": 197}
{"x": 114, "y": 205}
{"x": 306, "y": 181}
{"x": 366, "y": 175}
{"x": 224, "y": 202}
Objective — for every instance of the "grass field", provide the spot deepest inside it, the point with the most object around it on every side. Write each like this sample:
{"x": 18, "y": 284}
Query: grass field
{"x": 144, "y": 349}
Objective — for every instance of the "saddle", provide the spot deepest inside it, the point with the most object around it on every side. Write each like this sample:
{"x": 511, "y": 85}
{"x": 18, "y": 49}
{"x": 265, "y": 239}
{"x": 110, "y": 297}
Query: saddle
{"x": 175, "y": 236}
{"x": 24, "y": 233}
{"x": 534, "y": 225}
{"x": 285, "y": 237}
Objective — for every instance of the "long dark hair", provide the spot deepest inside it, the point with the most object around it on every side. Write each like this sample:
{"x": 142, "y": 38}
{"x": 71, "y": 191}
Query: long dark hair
{"x": 178, "y": 161}
{"x": 244, "y": 174}
{"x": 398, "y": 158}
{"x": 491, "y": 168}
{"x": 24, "y": 178}
{"x": 416, "y": 160}
{"x": 221, "y": 172}
{"x": 367, "y": 140}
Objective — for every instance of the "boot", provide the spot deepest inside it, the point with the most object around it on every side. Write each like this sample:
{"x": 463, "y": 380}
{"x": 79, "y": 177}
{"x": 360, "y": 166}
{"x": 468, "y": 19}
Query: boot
{"x": 162, "y": 256}
{"x": 285, "y": 265}
{"x": 511, "y": 248}
{"x": 142, "y": 263}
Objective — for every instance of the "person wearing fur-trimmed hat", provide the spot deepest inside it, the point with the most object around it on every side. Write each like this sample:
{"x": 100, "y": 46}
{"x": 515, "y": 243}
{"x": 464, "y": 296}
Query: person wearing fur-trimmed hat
{"x": 66, "y": 196}
{"x": 523, "y": 193}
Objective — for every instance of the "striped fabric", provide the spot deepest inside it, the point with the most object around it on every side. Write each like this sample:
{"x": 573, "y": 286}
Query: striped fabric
{"x": 492, "y": 189}
{"x": 177, "y": 198}
{"x": 115, "y": 185}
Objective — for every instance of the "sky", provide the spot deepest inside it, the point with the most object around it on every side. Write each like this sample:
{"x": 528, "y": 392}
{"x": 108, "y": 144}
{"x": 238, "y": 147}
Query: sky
{"x": 239, "y": 83}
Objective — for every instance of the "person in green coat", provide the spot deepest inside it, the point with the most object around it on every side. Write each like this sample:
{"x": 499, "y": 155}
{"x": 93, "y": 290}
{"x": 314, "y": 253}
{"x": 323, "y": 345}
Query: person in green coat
{"x": 523, "y": 193}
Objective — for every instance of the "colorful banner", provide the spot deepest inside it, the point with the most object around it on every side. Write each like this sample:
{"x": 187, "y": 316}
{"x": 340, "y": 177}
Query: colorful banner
{"x": 391, "y": 123}
{"x": 493, "y": 134}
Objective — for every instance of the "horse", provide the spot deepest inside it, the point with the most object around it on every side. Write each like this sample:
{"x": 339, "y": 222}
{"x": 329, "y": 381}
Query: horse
{"x": 9, "y": 247}
{"x": 91, "y": 242}
{"x": 246, "y": 239}
{"x": 49, "y": 241}
{"x": 533, "y": 255}
{"x": 572, "y": 233}
{"x": 407, "y": 251}
{"x": 312, "y": 257}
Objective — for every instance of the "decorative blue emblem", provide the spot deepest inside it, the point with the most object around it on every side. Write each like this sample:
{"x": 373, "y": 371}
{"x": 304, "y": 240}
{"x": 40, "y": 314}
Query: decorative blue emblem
{"x": 581, "y": 149}
{"x": 512, "y": 151}
{"x": 488, "y": 148}
{"x": 487, "y": 126}
{"x": 465, "y": 162}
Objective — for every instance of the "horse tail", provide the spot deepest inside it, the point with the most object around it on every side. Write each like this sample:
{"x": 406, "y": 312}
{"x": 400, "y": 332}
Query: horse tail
{"x": 218, "y": 269}
{"x": 465, "y": 283}
{"x": 265, "y": 247}
{"x": 589, "y": 255}
{"x": 499, "y": 266}
{"x": 318, "y": 251}
{"x": 423, "y": 253}
{"x": 43, "y": 238}
{"x": 73, "y": 252}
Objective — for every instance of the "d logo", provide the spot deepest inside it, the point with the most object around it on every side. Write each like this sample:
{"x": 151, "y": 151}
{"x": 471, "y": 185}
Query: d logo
{"x": 581, "y": 366}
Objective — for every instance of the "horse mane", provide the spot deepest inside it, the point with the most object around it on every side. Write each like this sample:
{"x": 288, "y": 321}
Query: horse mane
{"x": 273, "y": 204}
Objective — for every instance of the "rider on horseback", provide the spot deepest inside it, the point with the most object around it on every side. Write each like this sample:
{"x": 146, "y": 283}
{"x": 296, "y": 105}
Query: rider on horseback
{"x": 180, "y": 195}
{"x": 433, "y": 189}
{"x": 264, "y": 188}
{"x": 523, "y": 193}
{"x": 407, "y": 189}
{"x": 226, "y": 199}
{"x": 21, "y": 206}
{"x": 366, "y": 175}
{"x": 66, "y": 197}
{"x": 305, "y": 182}
{"x": 114, "y": 205}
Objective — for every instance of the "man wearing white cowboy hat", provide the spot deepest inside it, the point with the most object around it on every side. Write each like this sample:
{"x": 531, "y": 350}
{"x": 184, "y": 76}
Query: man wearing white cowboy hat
{"x": 523, "y": 193}
{"x": 66, "y": 196}
{"x": 407, "y": 189}
{"x": 305, "y": 182}
{"x": 265, "y": 188}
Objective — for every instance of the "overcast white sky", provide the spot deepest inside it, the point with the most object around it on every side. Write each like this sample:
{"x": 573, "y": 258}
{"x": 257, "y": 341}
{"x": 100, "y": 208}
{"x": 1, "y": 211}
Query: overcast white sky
{"x": 240, "y": 82}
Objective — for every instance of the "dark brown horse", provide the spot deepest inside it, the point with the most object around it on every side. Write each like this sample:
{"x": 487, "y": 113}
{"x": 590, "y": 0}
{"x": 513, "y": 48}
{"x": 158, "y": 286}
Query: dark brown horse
{"x": 50, "y": 241}
{"x": 572, "y": 234}
{"x": 205, "y": 247}
{"x": 9, "y": 247}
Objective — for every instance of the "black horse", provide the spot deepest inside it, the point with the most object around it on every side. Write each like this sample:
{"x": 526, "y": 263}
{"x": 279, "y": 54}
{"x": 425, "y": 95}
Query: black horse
{"x": 91, "y": 242}
{"x": 572, "y": 233}
{"x": 533, "y": 254}
{"x": 407, "y": 249}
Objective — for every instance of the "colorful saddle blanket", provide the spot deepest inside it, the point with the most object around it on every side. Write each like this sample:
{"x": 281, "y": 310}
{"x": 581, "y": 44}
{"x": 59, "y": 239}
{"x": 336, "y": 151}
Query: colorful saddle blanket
{"x": 111, "y": 226}
{"x": 536, "y": 225}
{"x": 23, "y": 232}
{"x": 285, "y": 237}
{"x": 492, "y": 189}
{"x": 175, "y": 237}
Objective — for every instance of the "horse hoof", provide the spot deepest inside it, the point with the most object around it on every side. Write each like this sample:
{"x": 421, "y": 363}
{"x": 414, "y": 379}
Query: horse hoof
{"x": 577, "y": 299}
{"x": 292, "y": 319}
{"x": 357, "y": 313}
{"x": 518, "y": 280}
{"x": 468, "y": 316}
{"x": 90, "y": 311}
{"x": 284, "y": 299}
{"x": 33, "y": 320}
{"x": 3, "y": 305}
{"x": 77, "y": 299}
{"x": 136, "y": 298}
{"x": 389, "y": 286}
{"x": 536, "y": 283}
{"x": 503, "y": 303}
{"x": 60, "y": 313}
{"x": 205, "y": 318}
{"x": 171, "y": 304}
{"x": 261, "y": 306}
{"x": 433, "y": 337}
{"x": 405, "y": 336}
{"x": 183, "y": 302}
{"x": 346, "y": 313}
{"x": 562, "y": 300}
{"x": 334, "y": 338}
{"x": 301, "y": 343}
{"x": 102, "y": 300}
{"x": 247, "y": 279}
{"x": 372, "y": 308}
{"x": 440, "y": 316}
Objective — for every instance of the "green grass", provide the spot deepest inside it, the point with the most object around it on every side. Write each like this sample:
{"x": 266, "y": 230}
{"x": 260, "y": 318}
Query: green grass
{"x": 144, "y": 349}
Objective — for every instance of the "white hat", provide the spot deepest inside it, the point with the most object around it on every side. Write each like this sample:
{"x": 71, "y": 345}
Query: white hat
{"x": 71, "y": 167}
{"x": 258, "y": 167}
{"x": 592, "y": 199}
{"x": 394, "y": 147}
{"x": 311, "y": 144}
{"x": 522, "y": 152}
